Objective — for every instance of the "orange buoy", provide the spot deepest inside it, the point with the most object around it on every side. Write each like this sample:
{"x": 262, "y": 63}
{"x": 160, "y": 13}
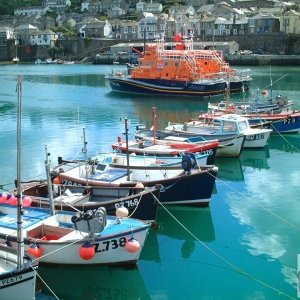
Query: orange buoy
{"x": 87, "y": 251}
{"x": 35, "y": 250}
{"x": 57, "y": 180}
{"x": 132, "y": 245}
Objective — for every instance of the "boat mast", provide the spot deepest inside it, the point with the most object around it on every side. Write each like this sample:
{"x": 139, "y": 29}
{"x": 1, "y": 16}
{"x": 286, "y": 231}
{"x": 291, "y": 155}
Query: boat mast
{"x": 20, "y": 238}
{"x": 84, "y": 151}
{"x": 50, "y": 191}
{"x": 154, "y": 124}
{"x": 127, "y": 152}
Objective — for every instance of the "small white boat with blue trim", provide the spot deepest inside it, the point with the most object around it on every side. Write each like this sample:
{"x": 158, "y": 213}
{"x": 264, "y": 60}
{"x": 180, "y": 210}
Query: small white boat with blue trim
{"x": 89, "y": 237}
{"x": 225, "y": 125}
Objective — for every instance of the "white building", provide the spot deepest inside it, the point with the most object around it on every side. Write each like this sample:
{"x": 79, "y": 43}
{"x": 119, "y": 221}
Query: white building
{"x": 44, "y": 38}
{"x": 147, "y": 27}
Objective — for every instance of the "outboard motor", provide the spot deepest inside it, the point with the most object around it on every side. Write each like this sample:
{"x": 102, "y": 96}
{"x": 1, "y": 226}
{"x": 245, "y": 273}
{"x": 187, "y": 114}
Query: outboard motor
{"x": 188, "y": 162}
{"x": 91, "y": 221}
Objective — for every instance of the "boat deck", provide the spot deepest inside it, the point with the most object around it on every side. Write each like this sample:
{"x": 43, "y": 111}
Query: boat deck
{"x": 8, "y": 219}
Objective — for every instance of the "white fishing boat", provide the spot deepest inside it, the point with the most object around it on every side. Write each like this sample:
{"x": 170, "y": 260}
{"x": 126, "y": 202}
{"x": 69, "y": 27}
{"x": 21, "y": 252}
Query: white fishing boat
{"x": 17, "y": 278}
{"x": 223, "y": 126}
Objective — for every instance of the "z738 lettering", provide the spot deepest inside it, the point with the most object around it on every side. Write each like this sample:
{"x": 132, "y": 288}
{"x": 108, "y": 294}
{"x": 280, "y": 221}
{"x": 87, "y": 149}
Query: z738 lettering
{"x": 112, "y": 244}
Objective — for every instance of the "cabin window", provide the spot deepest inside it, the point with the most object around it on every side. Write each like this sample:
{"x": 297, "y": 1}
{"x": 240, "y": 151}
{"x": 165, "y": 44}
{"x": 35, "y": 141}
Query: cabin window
{"x": 243, "y": 125}
{"x": 229, "y": 127}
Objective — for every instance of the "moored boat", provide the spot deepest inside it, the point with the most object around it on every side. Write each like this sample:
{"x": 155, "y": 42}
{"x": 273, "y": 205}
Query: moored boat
{"x": 138, "y": 202}
{"x": 189, "y": 186}
{"x": 17, "y": 281}
{"x": 223, "y": 126}
{"x": 230, "y": 146}
{"x": 275, "y": 113}
{"x": 180, "y": 71}
{"x": 166, "y": 150}
{"x": 89, "y": 237}
{"x": 120, "y": 158}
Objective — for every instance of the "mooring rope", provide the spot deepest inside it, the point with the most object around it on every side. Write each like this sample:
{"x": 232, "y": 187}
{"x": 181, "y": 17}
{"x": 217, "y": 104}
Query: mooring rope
{"x": 225, "y": 260}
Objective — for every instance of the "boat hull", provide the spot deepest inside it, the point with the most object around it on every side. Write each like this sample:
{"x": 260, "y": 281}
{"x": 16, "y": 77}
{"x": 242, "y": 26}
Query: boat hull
{"x": 141, "y": 204}
{"x": 18, "y": 284}
{"x": 173, "y": 87}
{"x": 229, "y": 146}
{"x": 279, "y": 124}
{"x": 257, "y": 140}
{"x": 60, "y": 240}
{"x": 193, "y": 189}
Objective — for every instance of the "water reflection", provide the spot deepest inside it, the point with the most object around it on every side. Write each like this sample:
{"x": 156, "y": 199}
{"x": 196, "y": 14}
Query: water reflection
{"x": 91, "y": 80}
{"x": 286, "y": 143}
{"x": 233, "y": 168}
{"x": 255, "y": 158}
{"x": 5, "y": 106}
{"x": 92, "y": 282}
{"x": 269, "y": 210}
{"x": 197, "y": 221}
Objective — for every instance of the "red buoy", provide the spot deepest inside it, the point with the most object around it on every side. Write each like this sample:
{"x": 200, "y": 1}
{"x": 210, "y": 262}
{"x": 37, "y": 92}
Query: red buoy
{"x": 57, "y": 180}
{"x": 12, "y": 200}
{"x": 26, "y": 201}
{"x": 35, "y": 250}
{"x": 132, "y": 245}
{"x": 87, "y": 251}
{"x": 3, "y": 198}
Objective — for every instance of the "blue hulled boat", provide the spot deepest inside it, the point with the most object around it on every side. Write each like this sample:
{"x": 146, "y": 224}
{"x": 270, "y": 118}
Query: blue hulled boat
{"x": 181, "y": 71}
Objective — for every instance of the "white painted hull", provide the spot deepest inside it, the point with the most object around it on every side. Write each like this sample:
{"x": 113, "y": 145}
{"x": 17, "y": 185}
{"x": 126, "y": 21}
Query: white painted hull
{"x": 232, "y": 148}
{"x": 60, "y": 244}
{"x": 109, "y": 250}
{"x": 15, "y": 284}
{"x": 20, "y": 287}
{"x": 257, "y": 140}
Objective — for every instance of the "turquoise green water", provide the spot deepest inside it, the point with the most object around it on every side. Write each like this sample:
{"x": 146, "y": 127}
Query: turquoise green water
{"x": 244, "y": 246}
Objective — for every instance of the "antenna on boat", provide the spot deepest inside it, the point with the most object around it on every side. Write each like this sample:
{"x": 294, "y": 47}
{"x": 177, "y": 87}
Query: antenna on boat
{"x": 154, "y": 124}
{"x": 127, "y": 152}
{"x": 50, "y": 191}
{"x": 20, "y": 237}
{"x": 84, "y": 151}
{"x": 271, "y": 84}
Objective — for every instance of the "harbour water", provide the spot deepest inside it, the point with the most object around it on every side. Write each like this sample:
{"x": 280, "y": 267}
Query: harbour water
{"x": 244, "y": 246}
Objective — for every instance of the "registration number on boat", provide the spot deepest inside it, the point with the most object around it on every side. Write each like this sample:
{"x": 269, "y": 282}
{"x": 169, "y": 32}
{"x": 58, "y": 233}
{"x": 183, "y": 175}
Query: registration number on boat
{"x": 128, "y": 203}
{"x": 253, "y": 137}
{"x": 111, "y": 244}
{"x": 289, "y": 121}
{"x": 11, "y": 280}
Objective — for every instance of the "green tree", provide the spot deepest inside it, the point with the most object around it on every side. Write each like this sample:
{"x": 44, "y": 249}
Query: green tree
{"x": 53, "y": 51}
